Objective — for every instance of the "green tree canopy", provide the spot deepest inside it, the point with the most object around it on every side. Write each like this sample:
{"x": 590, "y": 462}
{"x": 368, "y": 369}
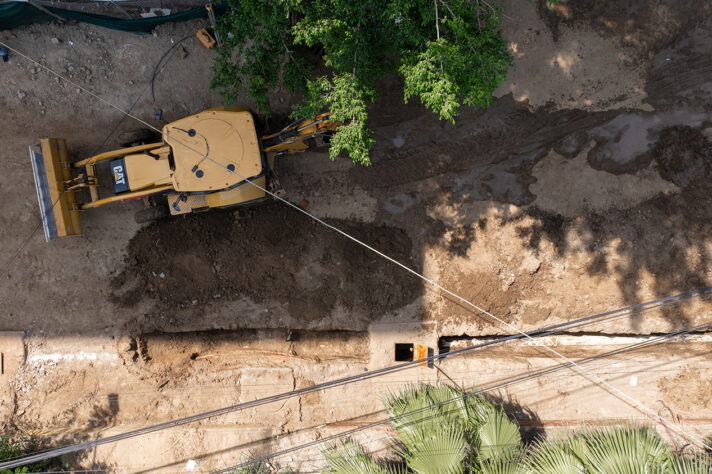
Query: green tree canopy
{"x": 449, "y": 52}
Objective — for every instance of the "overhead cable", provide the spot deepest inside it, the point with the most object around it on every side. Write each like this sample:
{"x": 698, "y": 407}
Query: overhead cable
{"x": 554, "y": 329}
{"x": 621, "y": 394}
{"x": 374, "y": 424}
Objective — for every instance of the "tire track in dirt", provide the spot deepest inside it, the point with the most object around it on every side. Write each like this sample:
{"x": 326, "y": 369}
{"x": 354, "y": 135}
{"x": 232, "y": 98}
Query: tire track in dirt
{"x": 508, "y": 129}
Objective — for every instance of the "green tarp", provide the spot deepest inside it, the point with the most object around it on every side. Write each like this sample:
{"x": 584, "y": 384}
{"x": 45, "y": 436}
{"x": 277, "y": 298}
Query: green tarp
{"x": 16, "y": 14}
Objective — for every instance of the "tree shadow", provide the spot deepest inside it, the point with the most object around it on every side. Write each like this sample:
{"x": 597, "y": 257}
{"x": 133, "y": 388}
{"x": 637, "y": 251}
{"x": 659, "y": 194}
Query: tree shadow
{"x": 104, "y": 415}
{"x": 643, "y": 28}
{"x": 657, "y": 243}
{"x": 665, "y": 238}
{"x": 530, "y": 426}
{"x": 22, "y": 446}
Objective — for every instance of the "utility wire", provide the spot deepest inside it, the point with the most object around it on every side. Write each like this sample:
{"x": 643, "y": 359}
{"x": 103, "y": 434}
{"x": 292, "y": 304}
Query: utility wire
{"x": 343, "y": 434}
{"x": 156, "y": 72}
{"x": 73, "y": 471}
{"x": 547, "y": 331}
{"x": 635, "y": 403}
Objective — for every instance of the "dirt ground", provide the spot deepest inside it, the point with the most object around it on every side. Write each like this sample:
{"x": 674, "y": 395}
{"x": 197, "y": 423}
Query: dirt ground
{"x": 585, "y": 187}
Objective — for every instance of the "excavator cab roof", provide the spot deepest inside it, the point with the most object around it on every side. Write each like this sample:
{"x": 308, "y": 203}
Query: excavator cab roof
{"x": 213, "y": 150}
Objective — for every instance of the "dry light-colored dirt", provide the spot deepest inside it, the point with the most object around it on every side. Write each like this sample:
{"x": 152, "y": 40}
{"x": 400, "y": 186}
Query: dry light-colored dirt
{"x": 585, "y": 187}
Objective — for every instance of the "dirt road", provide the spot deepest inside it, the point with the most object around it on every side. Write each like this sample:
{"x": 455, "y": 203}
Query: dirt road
{"x": 585, "y": 187}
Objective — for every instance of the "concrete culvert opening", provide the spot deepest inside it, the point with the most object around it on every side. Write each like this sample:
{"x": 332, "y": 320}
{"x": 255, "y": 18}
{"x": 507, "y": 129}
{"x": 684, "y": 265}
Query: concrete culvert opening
{"x": 404, "y": 352}
{"x": 444, "y": 345}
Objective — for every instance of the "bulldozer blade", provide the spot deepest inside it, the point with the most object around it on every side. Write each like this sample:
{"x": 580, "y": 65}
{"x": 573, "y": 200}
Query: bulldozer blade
{"x": 58, "y": 208}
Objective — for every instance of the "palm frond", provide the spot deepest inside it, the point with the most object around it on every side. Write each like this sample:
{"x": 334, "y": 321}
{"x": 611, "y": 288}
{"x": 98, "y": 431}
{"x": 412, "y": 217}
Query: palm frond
{"x": 499, "y": 437}
{"x": 352, "y": 459}
{"x": 695, "y": 465}
{"x": 553, "y": 458}
{"x": 627, "y": 450}
{"x": 413, "y": 418}
{"x": 420, "y": 410}
{"x": 478, "y": 408}
{"x": 501, "y": 466}
{"x": 395, "y": 469}
{"x": 450, "y": 402}
{"x": 441, "y": 452}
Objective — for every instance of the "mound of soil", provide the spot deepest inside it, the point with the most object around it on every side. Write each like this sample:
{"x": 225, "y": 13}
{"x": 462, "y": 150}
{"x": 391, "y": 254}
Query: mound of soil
{"x": 267, "y": 253}
{"x": 683, "y": 155}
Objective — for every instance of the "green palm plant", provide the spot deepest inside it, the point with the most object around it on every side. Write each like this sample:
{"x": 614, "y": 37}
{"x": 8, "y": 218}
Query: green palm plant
{"x": 695, "y": 465}
{"x": 628, "y": 450}
{"x": 499, "y": 438}
{"x": 432, "y": 423}
{"x": 439, "y": 451}
{"x": 500, "y": 445}
{"x": 624, "y": 450}
{"x": 440, "y": 430}
{"x": 560, "y": 458}
{"x": 443, "y": 430}
{"x": 353, "y": 459}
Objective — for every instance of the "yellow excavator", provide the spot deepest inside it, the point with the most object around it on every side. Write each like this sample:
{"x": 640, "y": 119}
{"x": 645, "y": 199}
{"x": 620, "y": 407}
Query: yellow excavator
{"x": 203, "y": 161}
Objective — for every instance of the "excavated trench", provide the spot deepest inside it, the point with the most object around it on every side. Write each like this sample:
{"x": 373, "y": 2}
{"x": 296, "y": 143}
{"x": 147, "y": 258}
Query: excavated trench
{"x": 186, "y": 347}
{"x": 446, "y": 344}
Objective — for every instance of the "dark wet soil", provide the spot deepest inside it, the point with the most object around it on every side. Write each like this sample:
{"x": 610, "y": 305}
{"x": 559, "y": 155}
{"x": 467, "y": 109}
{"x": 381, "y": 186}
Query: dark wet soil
{"x": 270, "y": 252}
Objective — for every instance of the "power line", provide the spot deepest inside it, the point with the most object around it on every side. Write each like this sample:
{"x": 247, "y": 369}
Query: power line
{"x": 350, "y": 237}
{"x": 489, "y": 389}
{"x": 73, "y": 471}
{"x": 156, "y": 71}
{"x": 547, "y": 331}
{"x": 50, "y": 453}
{"x": 621, "y": 394}
{"x": 343, "y": 434}
{"x": 359, "y": 377}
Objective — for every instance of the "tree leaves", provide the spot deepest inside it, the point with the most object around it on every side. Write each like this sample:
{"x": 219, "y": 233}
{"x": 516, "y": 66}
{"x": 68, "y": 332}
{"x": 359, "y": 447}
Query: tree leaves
{"x": 454, "y": 58}
{"x": 347, "y": 100}
{"x": 21, "y": 447}
{"x": 463, "y": 66}
{"x": 425, "y": 77}
{"x": 256, "y": 34}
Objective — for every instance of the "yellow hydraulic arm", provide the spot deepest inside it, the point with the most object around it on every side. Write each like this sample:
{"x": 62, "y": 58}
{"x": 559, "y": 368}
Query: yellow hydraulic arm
{"x": 293, "y": 138}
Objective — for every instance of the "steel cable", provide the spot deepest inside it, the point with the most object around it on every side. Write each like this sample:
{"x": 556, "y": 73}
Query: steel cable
{"x": 635, "y": 403}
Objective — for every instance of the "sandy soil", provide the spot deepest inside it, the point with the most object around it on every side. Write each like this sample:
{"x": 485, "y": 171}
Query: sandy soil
{"x": 585, "y": 187}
